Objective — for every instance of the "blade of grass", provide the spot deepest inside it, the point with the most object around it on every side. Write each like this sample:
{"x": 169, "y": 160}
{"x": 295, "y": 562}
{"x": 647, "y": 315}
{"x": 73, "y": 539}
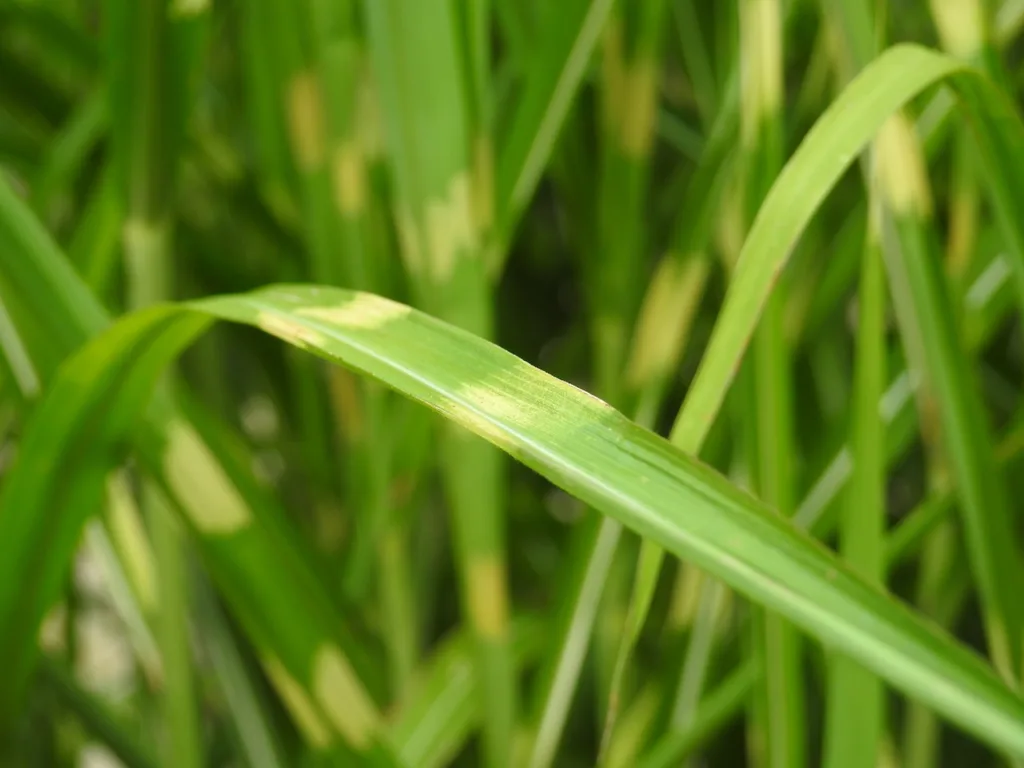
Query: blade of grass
{"x": 69, "y": 151}
{"x": 94, "y": 247}
{"x": 896, "y": 405}
{"x": 575, "y": 440}
{"x": 634, "y": 727}
{"x": 267, "y": 120}
{"x": 630, "y": 80}
{"x": 571, "y": 35}
{"x": 855, "y": 718}
{"x": 937, "y": 597}
{"x": 721, "y": 704}
{"x": 907, "y": 536}
{"x": 698, "y": 62}
{"x": 585, "y": 577}
{"x": 298, "y": 93}
{"x": 119, "y": 544}
{"x": 441, "y": 709}
{"x": 781, "y": 734}
{"x": 678, "y": 282}
{"x": 340, "y": 697}
{"x": 253, "y": 728}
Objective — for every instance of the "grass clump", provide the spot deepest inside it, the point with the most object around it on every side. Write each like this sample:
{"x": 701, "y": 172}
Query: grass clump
{"x": 507, "y": 245}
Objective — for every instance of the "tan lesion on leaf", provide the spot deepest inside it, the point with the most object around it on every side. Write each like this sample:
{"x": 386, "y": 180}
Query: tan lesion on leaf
{"x": 899, "y": 168}
{"x": 347, "y": 397}
{"x": 409, "y": 238}
{"x": 665, "y": 317}
{"x": 760, "y": 65}
{"x": 369, "y": 126}
{"x": 450, "y": 230}
{"x": 961, "y": 25}
{"x": 181, "y": 9}
{"x": 289, "y": 330}
{"x": 349, "y": 176}
{"x": 200, "y": 485}
{"x": 344, "y": 700}
{"x": 638, "y": 119}
{"x": 488, "y": 596}
{"x": 128, "y": 532}
{"x": 306, "y": 120}
{"x": 498, "y": 400}
{"x": 613, "y": 74}
{"x": 630, "y": 94}
{"x": 483, "y": 183}
{"x": 365, "y": 311}
{"x": 308, "y": 720}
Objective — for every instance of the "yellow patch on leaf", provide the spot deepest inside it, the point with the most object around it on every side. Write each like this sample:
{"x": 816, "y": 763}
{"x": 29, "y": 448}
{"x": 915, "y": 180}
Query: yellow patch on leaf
{"x": 306, "y": 120}
{"x": 900, "y": 169}
{"x": 345, "y": 702}
{"x": 488, "y": 606}
{"x": 349, "y": 175}
{"x": 451, "y": 233}
{"x": 200, "y": 484}
{"x": 302, "y": 709}
{"x": 289, "y": 330}
{"x": 366, "y": 311}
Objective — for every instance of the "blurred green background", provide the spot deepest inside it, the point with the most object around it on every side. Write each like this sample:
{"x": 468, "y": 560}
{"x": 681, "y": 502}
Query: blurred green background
{"x": 574, "y": 181}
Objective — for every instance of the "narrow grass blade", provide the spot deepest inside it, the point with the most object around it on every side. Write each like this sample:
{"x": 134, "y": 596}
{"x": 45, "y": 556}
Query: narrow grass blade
{"x": 259, "y": 739}
{"x": 571, "y": 35}
{"x": 434, "y": 722}
{"x": 778, "y": 713}
{"x": 585, "y": 580}
{"x": 725, "y": 701}
{"x": 68, "y": 152}
{"x": 855, "y": 719}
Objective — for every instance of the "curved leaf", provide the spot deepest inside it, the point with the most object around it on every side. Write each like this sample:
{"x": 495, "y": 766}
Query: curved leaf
{"x": 568, "y": 436}
{"x": 825, "y": 154}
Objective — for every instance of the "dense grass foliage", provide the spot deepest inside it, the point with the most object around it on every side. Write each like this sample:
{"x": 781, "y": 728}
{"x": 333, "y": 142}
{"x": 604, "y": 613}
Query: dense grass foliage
{"x": 511, "y": 383}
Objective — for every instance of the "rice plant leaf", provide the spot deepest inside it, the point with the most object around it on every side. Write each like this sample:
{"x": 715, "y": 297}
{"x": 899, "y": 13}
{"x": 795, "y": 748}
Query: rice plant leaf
{"x": 837, "y": 138}
{"x": 570, "y": 437}
{"x": 827, "y": 151}
{"x": 825, "y": 154}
